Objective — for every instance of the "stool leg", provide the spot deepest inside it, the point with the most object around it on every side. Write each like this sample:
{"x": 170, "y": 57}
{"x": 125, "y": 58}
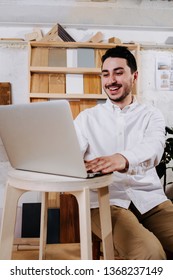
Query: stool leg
{"x": 12, "y": 196}
{"x": 43, "y": 226}
{"x": 106, "y": 225}
{"x": 85, "y": 223}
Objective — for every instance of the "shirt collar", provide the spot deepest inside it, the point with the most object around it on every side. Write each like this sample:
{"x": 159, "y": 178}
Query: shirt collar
{"x": 129, "y": 107}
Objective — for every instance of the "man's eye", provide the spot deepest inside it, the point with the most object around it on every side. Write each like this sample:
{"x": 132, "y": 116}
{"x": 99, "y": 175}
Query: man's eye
{"x": 105, "y": 75}
{"x": 119, "y": 73}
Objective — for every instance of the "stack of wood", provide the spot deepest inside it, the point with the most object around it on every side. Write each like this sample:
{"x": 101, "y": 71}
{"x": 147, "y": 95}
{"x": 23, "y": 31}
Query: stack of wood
{"x": 57, "y": 33}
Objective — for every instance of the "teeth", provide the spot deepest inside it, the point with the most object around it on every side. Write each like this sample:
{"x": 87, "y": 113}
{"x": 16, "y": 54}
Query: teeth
{"x": 114, "y": 88}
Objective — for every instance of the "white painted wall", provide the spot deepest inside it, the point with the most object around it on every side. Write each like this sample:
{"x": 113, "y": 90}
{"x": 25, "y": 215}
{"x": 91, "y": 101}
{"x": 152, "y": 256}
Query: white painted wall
{"x": 14, "y": 69}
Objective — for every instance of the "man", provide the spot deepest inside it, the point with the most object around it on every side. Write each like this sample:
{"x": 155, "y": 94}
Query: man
{"x": 127, "y": 138}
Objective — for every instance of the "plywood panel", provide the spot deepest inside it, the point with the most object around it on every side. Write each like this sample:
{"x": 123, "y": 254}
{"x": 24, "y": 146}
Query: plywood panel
{"x": 69, "y": 221}
{"x": 98, "y": 54}
{"x": 57, "y": 57}
{"x": 39, "y": 57}
{"x": 80, "y": 105}
{"x": 92, "y": 84}
{"x": 84, "y": 104}
{"x": 75, "y": 108}
{"x": 57, "y": 83}
{"x": 53, "y": 200}
{"x": 40, "y": 83}
{"x": 5, "y": 93}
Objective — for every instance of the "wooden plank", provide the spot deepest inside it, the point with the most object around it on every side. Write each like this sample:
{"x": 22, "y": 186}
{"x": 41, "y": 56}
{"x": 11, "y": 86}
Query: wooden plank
{"x": 40, "y": 83}
{"x": 84, "y": 104}
{"x": 12, "y": 39}
{"x": 57, "y": 33}
{"x": 57, "y": 83}
{"x": 39, "y": 57}
{"x": 80, "y": 105}
{"x": 68, "y": 96}
{"x": 36, "y": 35}
{"x": 34, "y": 241}
{"x": 25, "y": 244}
{"x": 52, "y": 35}
{"x": 5, "y": 93}
{"x": 98, "y": 37}
{"x": 53, "y": 200}
{"x": 114, "y": 40}
{"x": 65, "y": 70}
{"x": 44, "y": 83}
{"x": 69, "y": 222}
{"x": 38, "y": 99}
{"x": 92, "y": 84}
{"x": 98, "y": 54}
{"x": 34, "y": 87}
{"x": 75, "y": 108}
{"x": 81, "y": 45}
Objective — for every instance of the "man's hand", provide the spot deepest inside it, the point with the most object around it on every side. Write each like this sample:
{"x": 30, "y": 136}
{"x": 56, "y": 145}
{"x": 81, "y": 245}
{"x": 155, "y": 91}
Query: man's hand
{"x": 107, "y": 164}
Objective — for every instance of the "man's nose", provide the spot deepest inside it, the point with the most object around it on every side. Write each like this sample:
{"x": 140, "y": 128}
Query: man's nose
{"x": 112, "y": 79}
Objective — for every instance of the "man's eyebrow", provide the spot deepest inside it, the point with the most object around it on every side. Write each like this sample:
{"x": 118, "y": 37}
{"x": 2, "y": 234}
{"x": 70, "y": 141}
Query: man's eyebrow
{"x": 115, "y": 69}
{"x": 104, "y": 70}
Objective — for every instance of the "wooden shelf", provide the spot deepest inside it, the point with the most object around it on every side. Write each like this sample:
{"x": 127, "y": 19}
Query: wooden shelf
{"x": 68, "y": 96}
{"x": 65, "y": 70}
{"x": 69, "y": 70}
{"x": 156, "y": 47}
{"x": 80, "y": 45}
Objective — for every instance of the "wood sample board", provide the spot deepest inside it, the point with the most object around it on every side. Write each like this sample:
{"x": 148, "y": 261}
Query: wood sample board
{"x": 5, "y": 93}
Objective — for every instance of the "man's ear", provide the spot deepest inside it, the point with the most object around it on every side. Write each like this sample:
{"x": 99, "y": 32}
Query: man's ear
{"x": 135, "y": 75}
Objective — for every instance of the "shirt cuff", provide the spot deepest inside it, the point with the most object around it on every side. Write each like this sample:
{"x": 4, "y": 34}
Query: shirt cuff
{"x": 132, "y": 161}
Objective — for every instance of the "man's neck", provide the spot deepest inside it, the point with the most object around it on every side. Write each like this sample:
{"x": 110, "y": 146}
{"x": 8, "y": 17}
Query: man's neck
{"x": 125, "y": 102}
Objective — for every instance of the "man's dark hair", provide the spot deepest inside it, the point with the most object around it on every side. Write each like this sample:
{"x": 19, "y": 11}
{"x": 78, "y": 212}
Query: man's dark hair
{"x": 122, "y": 52}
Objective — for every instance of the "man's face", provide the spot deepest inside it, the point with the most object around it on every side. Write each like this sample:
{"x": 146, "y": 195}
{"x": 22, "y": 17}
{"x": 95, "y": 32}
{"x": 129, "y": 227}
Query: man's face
{"x": 117, "y": 79}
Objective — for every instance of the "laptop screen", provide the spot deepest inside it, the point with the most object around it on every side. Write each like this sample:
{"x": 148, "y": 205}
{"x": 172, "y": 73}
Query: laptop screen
{"x": 41, "y": 137}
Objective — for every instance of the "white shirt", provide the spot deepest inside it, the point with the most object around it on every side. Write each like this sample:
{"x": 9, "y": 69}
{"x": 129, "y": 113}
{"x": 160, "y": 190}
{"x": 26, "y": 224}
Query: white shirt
{"x": 138, "y": 133}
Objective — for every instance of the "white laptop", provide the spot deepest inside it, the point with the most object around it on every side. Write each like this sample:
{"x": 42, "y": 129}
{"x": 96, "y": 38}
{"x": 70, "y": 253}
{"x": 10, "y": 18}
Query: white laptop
{"x": 41, "y": 137}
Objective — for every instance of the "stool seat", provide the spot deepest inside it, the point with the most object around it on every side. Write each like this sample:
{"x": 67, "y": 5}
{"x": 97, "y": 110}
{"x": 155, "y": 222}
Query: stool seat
{"x": 19, "y": 182}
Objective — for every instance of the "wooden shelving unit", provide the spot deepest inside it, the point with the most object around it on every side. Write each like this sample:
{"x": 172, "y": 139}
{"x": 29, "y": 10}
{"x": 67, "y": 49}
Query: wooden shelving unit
{"x": 55, "y": 68}
{"x": 53, "y": 73}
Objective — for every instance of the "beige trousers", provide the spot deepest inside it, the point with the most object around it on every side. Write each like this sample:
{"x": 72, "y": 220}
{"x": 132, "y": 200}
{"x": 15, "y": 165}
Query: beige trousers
{"x": 140, "y": 237}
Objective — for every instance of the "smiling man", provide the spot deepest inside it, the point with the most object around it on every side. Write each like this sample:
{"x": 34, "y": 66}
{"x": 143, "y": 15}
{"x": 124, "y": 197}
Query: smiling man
{"x": 118, "y": 80}
{"x": 127, "y": 138}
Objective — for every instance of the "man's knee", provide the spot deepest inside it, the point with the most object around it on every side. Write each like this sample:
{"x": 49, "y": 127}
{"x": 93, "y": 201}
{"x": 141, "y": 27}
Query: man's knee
{"x": 144, "y": 250}
{"x": 152, "y": 251}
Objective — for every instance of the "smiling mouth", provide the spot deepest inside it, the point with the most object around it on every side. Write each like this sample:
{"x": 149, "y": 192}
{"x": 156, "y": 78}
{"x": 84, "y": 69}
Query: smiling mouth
{"x": 113, "y": 88}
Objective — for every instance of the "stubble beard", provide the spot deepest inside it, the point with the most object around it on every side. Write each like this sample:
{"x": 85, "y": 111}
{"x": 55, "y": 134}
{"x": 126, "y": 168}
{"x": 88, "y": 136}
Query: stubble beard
{"x": 120, "y": 98}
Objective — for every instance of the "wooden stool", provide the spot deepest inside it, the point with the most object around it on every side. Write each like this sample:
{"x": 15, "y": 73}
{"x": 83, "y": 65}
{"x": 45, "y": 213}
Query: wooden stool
{"x": 19, "y": 182}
